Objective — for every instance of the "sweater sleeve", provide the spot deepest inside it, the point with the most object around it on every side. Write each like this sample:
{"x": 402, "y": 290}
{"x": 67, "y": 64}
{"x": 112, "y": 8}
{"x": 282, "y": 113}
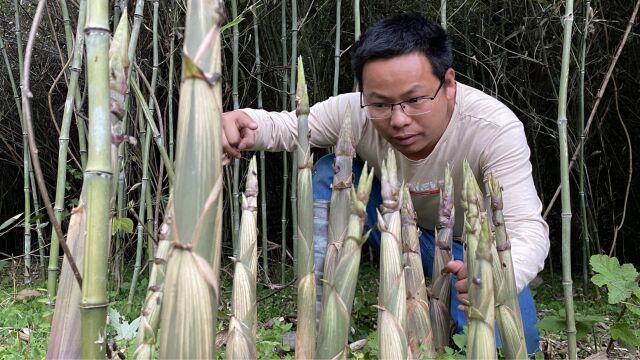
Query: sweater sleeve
{"x": 507, "y": 157}
{"x": 277, "y": 131}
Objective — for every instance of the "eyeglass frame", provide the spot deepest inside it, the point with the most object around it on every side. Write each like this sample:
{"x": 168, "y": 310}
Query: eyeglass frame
{"x": 402, "y": 104}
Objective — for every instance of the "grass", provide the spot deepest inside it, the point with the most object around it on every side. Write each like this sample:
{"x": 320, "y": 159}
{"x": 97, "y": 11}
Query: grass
{"x": 276, "y": 318}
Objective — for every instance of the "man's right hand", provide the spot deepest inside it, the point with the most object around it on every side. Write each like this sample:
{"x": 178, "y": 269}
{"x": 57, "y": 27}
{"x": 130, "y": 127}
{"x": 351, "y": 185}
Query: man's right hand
{"x": 238, "y": 133}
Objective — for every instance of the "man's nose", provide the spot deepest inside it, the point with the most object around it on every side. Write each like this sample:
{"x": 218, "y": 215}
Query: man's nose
{"x": 398, "y": 117}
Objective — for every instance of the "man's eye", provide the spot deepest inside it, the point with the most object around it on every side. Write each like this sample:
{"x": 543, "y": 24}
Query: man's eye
{"x": 415, "y": 100}
{"x": 379, "y": 106}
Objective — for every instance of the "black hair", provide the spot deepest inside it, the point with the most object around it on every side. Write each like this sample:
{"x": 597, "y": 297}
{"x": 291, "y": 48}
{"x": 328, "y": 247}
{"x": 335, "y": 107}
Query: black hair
{"x": 400, "y": 35}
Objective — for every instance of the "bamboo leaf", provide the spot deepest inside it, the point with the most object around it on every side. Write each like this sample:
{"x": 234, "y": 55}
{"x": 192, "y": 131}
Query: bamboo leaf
{"x": 10, "y": 221}
{"x": 231, "y": 24}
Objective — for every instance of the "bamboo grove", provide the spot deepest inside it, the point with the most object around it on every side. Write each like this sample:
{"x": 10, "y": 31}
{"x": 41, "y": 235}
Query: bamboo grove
{"x": 168, "y": 208}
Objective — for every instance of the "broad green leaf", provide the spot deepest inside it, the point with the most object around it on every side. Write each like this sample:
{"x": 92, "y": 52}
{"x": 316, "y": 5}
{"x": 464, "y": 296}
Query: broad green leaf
{"x": 634, "y": 308}
{"x": 623, "y": 333}
{"x": 621, "y": 281}
{"x": 124, "y": 224}
{"x": 550, "y": 324}
{"x": 558, "y": 323}
{"x": 10, "y": 221}
{"x": 461, "y": 339}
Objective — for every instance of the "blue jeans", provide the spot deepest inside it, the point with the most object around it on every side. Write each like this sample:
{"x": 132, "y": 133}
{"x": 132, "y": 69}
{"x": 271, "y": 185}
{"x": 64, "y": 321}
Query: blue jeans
{"x": 322, "y": 180}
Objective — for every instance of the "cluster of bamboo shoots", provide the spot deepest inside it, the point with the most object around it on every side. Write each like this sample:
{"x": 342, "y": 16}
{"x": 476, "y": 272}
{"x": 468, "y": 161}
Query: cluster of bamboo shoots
{"x": 413, "y": 320}
{"x": 183, "y": 294}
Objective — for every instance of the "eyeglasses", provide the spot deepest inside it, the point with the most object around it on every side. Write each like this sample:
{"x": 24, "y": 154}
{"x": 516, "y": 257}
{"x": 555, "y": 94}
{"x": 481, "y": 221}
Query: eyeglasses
{"x": 415, "y": 106}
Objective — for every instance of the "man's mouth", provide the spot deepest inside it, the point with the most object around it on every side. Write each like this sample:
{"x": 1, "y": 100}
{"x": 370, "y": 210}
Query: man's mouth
{"x": 405, "y": 139}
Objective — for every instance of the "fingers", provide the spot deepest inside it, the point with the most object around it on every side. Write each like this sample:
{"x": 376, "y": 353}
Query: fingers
{"x": 462, "y": 284}
{"x": 462, "y": 288}
{"x": 458, "y": 268}
{"x": 238, "y": 133}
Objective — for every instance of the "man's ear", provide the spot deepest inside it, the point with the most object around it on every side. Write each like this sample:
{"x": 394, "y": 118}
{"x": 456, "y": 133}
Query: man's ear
{"x": 450, "y": 84}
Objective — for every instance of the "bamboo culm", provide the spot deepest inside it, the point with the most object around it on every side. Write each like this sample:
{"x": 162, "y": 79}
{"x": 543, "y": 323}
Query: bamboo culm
{"x": 145, "y": 130}
{"x": 235, "y": 203}
{"x": 63, "y": 141}
{"x": 581, "y": 168}
{"x": 98, "y": 174}
{"x": 564, "y": 180}
{"x": 263, "y": 184}
{"x": 285, "y": 165}
{"x": 292, "y": 102}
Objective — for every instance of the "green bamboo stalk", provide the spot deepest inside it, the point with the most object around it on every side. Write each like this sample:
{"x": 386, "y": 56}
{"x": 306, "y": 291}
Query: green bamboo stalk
{"x": 356, "y": 19}
{"x": 263, "y": 169}
{"x": 581, "y": 168}
{"x": 25, "y": 155}
{"x": 116, "y": 13}
{"x": 147, "y": 333}
{"x": 306, "y": 331}
{"x": 68, "y": 32}
{"x": 334, "y": 321}
{"x": 564, "y": 180}
{"x": 36, "y": 205}
{"x": 340, "y": 196}
{"x": 149, "y": 232}
{"x": 337, "y": 52}
{"x": 155, "y": 133}
{"x": 443, "y": 14}
{"x": 70, "y": 53}
{"x": 189, "y": 309}
{"x": 98, "y": 174}
{"x": 145, "y": 131}
{"x": 121, "y": 200}
{"x": 146, "y": 134}
{"x": 441, "y": 286}
{"x": 18, "y": 32}
{"x": 63, "y": 141}
{"x": 241, "y": 343}
{"x": 505, "y": 292}
{"x": 172, "y": 47}
{"x": 285, "y": 165}
{"x": 65, "y": 340}
{"x": 292, "y": 101}
{"x": 419, "y": 332}
{"x": 27, "y": 202}
{"x": 26, "y": 166}
{"x": 392, "y": 298}
{"x": 481, "y": 343}
{"x": 235, "y": 203}
{"x": 27, "y": 236}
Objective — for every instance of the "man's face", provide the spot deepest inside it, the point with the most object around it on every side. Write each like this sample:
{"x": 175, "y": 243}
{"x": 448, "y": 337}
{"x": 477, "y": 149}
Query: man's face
{"x": 402, "y": 78}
